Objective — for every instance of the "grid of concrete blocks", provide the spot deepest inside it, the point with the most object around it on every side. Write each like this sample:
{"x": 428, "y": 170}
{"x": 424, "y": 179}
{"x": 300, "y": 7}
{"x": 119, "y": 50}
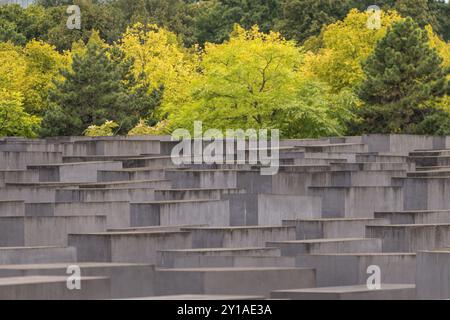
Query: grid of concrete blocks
{"x": 138, "y": 226}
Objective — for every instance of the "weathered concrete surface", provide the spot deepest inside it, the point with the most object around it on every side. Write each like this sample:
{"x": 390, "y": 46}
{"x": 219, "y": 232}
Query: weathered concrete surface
{"x": 433, "y": 274}
{"x": 209, "y": 212}
{"x": 52, "y": 288}
{"x": 316, "y": 246}
{"x": 72, "y": 172}
{"x": 416, "y": 217}
{"x": 241, "y": 281}
{"x": 133, "y": 247}
{"x": 357, "y": 292}
{"x": 358, "y": 202}
{"x": 189, "y": 297}
{"x": 351, "y": 268}
{"x": 117, "y": 205}
{"x": 238, "y": 237}
{"x": 117, "y": 213}
{"x": 411, "y": 238}
{"x": 326, "y": 228}
{"x": 126, "y": 280}
{"x": 32, "y": 255}
{"x": 46, "y": 231}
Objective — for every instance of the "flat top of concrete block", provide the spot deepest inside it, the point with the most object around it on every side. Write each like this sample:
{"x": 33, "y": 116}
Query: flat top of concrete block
{"x": 36, "y": 247}
{"x": 240, "y": 228}
{"x": 130, "y": 233}
{"x": 96, "y": 216}
{"x": 83, "y": 188}
{"x": 361, "y": 187}
{"x": 196, "y": 189}
{"x": 31, "y": 152}
{"x": 333, "y": 219}
{"x": 411, "y": 226}
{"x": 218, "y": 249}
{"x": 138, "y": 169}
{"x": 39, "y": 279}
{"x": 121, "y": 182}
{"x": 231, "y": 269}
{"x": 423, "y": 178}
{"x": 66, "y": 264}
{"x": 412, "y": 211}
{"x": 349, "y": 289}
{"x": 215, "y": 170}
{"x": 327, "y": 240}
{"x": 366, "y": 254}
{"x": 77, "y": 203}
{"x": 178, "y": 201}
{"x": 156, "y": 228}
{"x": 187, "y": 297}
{"x": 438, "y": 251}
{"x": 146, "y": 157}
{"x": 68, "y": 164}
{"x": 12, "y": 201}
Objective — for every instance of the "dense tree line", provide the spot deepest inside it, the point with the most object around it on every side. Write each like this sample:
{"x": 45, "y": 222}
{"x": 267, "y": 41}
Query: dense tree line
{"x": 308, "y": 67}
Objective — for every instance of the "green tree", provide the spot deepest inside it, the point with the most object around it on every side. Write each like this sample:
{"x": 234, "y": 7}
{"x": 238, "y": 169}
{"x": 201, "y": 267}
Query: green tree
{"x": 216, "y": 19}
{"x": 92, "y": 92}
{"x": 252, "y": 81}
{"x": 404, "y": 77}
{"x": 105, "y": 18}
{"x": 20, "y": 25}
{"x": 14, "y": 121}
{"x": 301, "y": 19}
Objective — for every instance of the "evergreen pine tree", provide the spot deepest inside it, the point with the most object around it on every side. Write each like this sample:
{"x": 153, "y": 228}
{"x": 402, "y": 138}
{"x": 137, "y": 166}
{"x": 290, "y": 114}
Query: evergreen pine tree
{"x": 98, "y": 88}
{"x": 403, "y": 79}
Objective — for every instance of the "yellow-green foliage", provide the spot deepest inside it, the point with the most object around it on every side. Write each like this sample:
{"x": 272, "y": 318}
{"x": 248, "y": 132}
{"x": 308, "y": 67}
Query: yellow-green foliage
{"x": 142, "y": 129}
{"x": 104, "y": 130}
{"x": 344, "y": 45}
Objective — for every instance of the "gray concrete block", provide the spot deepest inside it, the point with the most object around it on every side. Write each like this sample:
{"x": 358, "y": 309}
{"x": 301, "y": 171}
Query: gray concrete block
{"x": 316, "y": 246}
{"x": 433, "y": 274}
{"x": 133, "y": 194}
{"x": 358, "y": 202}
{"x": 238, "y": 237}
{"x": 46, "y": 231}
{"x": 210, "y": 212}
{"x": 416, "y": 217}
{"x": 73, "y": 172}
{"x": 52, "y": 288}
{"x": 126, "y": 280}
{"x": 332, "y": 227}
{"x": 8, "y": 176}
{"x": 351, "y": 268}
{"x": 133, "y": 247}
{"x": 131, "y": 174}
{"x": 117, "y": 213}
{"x": 356, "y": 292}
{"x": 232, "y": 262}
{"x": 12, "y": 208}
{"x": 189, "y": 297}
{"x": 32, "y": 255}
{"x": 373, "y": 178}
{"x": 194, "y": 194}
{"x": 236, "y": 281}
{"x": 10, "y": 160}
{"x": 270, "y": 209}
{"x": 410, "y": 237}
{"x": 169, "y": 258}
